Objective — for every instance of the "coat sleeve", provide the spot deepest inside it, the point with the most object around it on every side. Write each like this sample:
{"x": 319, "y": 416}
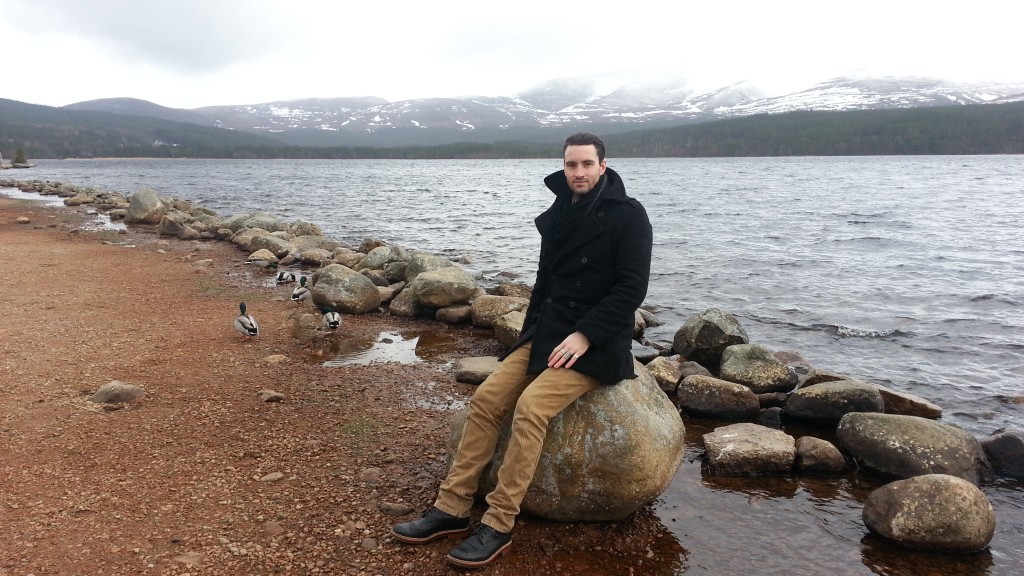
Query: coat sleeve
{"x": 632, "y": 262}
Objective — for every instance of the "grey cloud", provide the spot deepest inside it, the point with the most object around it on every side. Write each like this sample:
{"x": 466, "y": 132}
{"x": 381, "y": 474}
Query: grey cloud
{"x": 185, "y": 36}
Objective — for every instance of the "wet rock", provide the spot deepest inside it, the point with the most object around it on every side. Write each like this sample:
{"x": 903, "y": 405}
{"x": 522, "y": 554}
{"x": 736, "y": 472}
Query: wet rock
{"x": 1005, "y": 450}
{"x": 908, "y": 404}
{"x": 713, "y": 397}
{"x": 817, "y": 456}
{"x": 932, "y": 512}
{"x": 705, "y": 336}
{"x": 748, "y": 449}
{"x": 906, "y": 446}
{"x": 755, "y": 366}
{"x": 827, "y": 403}
{"x": 770, "y": 417}
{"x": 643, "y": 354}
{"x": 606, "y": 455}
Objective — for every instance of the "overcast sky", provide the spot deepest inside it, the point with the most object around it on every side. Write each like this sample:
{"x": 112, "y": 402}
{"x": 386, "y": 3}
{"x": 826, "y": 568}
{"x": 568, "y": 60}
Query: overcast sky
{"x": 193, "y": 53}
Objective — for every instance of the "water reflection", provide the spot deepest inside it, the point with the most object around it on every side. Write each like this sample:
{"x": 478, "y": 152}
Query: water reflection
{"x": 403, "y": 346}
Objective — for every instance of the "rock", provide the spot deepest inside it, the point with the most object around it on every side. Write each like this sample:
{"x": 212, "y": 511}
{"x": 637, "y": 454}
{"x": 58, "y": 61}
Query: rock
{"x": 827, "y": 403}
{"x": 755, "y": 366}
{"x": 932, "y": 512}
{"x": 508, "y": 328}
{"x": 475, "y": 370}
{"x": 272, "y": 477}
{"x": 79, "y": 200}
{"x": 116, "y": 392}
{"x": 394, "y": 508}
{"x": 304, "y": 228}
{"x": 169, "y": 227}
{"x": 244, "y": 237}
{"x": 145, "y": 207}
{"x": 275, "y": 359}
{"x": 376, "y": 259}
{"x": 822, "y": 376}
{"x": 748, "y": 449}
{"x": 404, "y": 304}
{"x": 487, "y": 309}
{"x": 388, "y": 293}
{"x": 262, "y": 256}
{"x": 280, "y": 248}
{"x": 908, "y": 404}
{"x": 643, "y": 354}
{"x": 271, "y": 396}
{"x": 906, "y": 446}
{"x": 772, "y": 399}
{"x": 368, "y": 244}
{"x": 1005, "y": 450}
{"x": 188, "y": 233}
{"x": 344, "y": 290}
{"x": 690, "y": 368}
{"x": 458, "y": 314}
{"x": 377, "y": 277}
{"x": 666, "y": 373}
{"x": 420, "y": 262}
{"x": 443, "y": 287}
{"x": 705, "y": 336}
{"x": 817, "y": 456}
{"x": 347, "y": 259}
{"x": 314, "y": 257}
{"x": 273, "y": 529}
{"x": 513, "y": 289}
{"x": 715, "y": 398}
{"x": 770, "y": 417}
{"x": 22, "y": 220}
{"x": 797, "y": 363}
{"x": 609, "y": 453}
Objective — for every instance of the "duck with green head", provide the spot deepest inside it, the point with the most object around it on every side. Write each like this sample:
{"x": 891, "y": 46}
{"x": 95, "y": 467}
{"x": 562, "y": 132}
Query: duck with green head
{"x": 332, "y": 320}
{"x": 245, "y": 324}
{"x": 301, "y": 292}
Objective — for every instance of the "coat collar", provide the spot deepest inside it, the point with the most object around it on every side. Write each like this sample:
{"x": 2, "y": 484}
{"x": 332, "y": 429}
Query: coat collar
{"x": 614, "y": 189}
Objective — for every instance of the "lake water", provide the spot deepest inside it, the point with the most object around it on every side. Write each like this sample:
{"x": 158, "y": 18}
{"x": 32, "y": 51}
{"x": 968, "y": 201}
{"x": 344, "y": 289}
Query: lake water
{"x": 904, "y": 271}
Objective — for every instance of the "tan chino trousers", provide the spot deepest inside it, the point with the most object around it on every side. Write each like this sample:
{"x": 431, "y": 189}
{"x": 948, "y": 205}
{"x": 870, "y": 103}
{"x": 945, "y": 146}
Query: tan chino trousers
{"x": 536, "y": 400}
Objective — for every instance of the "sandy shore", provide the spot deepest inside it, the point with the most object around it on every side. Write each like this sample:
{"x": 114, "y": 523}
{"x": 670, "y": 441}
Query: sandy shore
{"x": 177, "y": 483}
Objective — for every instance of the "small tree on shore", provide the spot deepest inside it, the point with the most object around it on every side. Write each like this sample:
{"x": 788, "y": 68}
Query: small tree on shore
{"x": 19, "y": 157}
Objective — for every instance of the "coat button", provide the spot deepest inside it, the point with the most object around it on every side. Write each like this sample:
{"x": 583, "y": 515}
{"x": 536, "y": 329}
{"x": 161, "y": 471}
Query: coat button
{"x": 583, "y": 260}
{"x": 600, "y": 214}
{"x": 579, "y": 283}
{"x": 572, "y": 304}
{"x": 548, "y": 299}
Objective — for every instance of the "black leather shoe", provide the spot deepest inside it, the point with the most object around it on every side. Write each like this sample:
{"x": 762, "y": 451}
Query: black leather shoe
{"x": 434, "y": 524}
{"x": 480, "y": 549}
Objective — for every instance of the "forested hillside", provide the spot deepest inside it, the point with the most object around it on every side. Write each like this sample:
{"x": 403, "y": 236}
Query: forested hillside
{"x": 45, "y": 132}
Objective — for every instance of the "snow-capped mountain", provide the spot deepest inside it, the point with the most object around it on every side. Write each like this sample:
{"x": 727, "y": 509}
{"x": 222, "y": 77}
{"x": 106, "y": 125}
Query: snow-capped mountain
{"x": 612, "y": 101}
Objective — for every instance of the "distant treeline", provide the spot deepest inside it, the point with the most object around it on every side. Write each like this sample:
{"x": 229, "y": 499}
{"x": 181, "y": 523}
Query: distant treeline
{"x": 45, "y": 132}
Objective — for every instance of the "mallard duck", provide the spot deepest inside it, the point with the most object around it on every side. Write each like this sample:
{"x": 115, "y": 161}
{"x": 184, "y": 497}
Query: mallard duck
{"x": 301, "y": 292}
{"x": 245, "y": 324}
{"x": 285, "y": 277}
{"x": 332, "y": 320}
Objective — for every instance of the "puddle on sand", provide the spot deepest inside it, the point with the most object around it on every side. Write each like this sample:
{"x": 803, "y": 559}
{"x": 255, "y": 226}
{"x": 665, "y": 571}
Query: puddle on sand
{"x": 405, "y": 347}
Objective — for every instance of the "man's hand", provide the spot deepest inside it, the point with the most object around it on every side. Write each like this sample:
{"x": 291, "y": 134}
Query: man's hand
{"x": 565, "y": 354}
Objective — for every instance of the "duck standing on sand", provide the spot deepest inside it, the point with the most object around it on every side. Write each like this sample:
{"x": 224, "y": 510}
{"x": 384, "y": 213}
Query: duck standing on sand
{"x": 332, "y": 320}
{"x": 301, "y": 292}
{"x": 245, "y": 324}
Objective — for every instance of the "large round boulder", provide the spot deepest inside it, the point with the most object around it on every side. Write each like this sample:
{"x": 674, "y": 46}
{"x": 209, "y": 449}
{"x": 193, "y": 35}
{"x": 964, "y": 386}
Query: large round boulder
{"x": 420, "y": 262}
{"x": 703, "y": 337}
{"x": 932, "y": 512}
{"x": 145, "y": 207}
{"x": 344, "y": 290}
{"x": 487, "y": 309}
{"x": 907, "y": 446}
{"x": 609, "y": 453}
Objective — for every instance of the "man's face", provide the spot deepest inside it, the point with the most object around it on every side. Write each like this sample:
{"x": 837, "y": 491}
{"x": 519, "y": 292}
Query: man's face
{"x": 582, "y": 168}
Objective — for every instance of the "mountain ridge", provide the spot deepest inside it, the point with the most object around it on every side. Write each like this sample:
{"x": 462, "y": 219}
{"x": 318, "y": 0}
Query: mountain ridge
{"x": 608, "y": 103}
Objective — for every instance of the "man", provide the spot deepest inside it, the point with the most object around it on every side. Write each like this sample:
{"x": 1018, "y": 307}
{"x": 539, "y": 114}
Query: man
{"x": 594, "y": 266}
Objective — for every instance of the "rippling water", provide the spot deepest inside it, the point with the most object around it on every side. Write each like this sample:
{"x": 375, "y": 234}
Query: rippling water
{"x": 905, "y": 271}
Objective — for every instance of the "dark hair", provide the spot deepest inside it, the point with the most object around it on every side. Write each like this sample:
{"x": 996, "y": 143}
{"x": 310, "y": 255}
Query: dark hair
{"x": 585, "y": 139}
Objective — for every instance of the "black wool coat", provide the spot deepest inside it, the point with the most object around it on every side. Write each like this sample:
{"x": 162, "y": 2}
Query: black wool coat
{"x": 591, "y": 282}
